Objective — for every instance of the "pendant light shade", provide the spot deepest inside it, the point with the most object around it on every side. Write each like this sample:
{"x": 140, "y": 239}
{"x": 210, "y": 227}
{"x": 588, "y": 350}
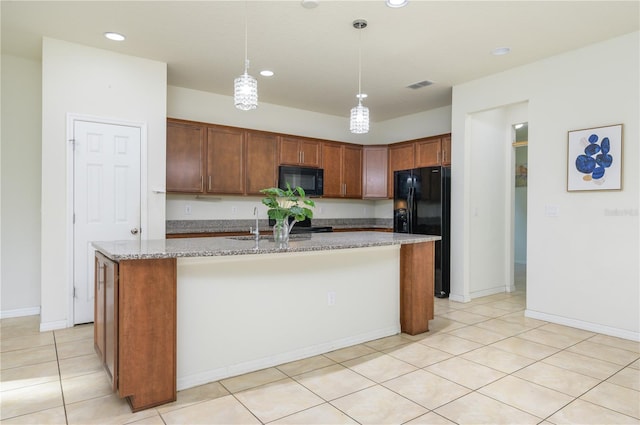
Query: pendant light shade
{"x": 359, "y": 119}
{"x": 245, "y": 91}
{"x": 359, "y": 122}
{"x": 245, "y": 87}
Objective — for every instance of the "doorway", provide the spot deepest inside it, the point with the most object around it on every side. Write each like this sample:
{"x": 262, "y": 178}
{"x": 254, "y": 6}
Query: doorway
{"x": 106, "y": 198}
{"x": 520, "y": 145}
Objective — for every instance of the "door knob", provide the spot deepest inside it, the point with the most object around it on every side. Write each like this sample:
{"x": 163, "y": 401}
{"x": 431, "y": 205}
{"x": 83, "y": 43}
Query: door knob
{"x": 134, "y": 231}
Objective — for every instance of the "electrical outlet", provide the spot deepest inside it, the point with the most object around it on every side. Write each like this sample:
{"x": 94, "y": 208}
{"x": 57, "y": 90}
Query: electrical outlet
{"x": 234, "y": 209}
{"x": 187, "y": 209}
{"x": 331, "y": 298}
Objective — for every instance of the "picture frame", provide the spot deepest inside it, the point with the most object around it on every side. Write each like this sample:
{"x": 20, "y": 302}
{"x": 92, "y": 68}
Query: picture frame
{"x": 594, "y": 159}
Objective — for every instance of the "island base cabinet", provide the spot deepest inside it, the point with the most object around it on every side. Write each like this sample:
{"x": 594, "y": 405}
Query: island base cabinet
{"x": 135, "y": 328}
{"x": 416, "y": 287}
{"x": 147, "y": 332}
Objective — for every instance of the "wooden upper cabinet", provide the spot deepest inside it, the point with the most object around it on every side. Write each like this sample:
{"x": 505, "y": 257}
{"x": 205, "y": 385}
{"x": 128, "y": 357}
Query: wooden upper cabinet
{"x": 185, "y": 150}
{"x": 225, "y": 161}
{"x": 446, "y": 150}
{"x": 352, "y": 171}
{"x": 428, "y": 152}
{"x": 262, "y": 162}
{"x": 342, "y": 164}
{"x": 374, "y": 176}
{"x": 401, "y": 157}
{"x": 332, "y": 165}
{"x": 298, "y": 151}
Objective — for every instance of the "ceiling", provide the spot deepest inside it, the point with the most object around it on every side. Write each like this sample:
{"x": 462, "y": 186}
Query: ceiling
{"x": 314, "y": 52}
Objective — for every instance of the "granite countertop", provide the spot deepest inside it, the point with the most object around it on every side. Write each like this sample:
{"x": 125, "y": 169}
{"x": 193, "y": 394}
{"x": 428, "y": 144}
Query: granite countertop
{"x": 175, "y": 227}
{"x": 243, "y": 245}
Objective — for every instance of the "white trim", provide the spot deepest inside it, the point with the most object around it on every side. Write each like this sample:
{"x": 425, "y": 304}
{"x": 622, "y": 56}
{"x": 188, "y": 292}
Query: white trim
{"x": 587, "y": 326}
{"x": 459, "y": 298}
{"x": 302, "y": 353}
{"x": 144, "y": 214}
{"x": 490, "y": 291}
{"x": 20, "y": 312}
{"x": 52, "y": 326}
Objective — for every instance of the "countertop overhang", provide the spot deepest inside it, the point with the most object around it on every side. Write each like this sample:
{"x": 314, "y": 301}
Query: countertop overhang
{"x": 233, "y": 245}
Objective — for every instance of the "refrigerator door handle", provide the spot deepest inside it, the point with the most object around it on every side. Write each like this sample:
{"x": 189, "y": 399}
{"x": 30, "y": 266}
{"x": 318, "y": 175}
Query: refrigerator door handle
{"x": 410, "y": 210}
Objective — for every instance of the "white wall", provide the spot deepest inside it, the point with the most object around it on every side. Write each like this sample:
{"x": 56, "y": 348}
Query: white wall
{"x": 82, "y": 80}
{"x": 583, "y": 264}
{"x": 487, "y": 231}
{"x": 20, "y": 179}
{"x": 217, "y": 109}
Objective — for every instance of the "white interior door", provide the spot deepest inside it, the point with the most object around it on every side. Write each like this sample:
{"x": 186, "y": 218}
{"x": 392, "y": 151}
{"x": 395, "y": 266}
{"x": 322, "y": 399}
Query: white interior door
{"x": 106, "y": 199}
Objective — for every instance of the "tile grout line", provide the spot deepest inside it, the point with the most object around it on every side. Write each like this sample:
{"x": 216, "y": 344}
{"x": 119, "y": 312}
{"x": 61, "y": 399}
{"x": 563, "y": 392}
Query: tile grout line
{"x": 64, "y": 404}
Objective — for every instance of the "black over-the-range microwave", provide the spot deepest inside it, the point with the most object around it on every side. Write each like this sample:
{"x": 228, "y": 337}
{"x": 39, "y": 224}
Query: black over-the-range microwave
{"x": 311, "y": 180}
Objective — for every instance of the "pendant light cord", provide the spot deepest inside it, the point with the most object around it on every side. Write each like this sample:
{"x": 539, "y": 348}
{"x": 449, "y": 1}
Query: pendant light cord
{"x": 360, "y": 66}
{"x": 246, "y": 36}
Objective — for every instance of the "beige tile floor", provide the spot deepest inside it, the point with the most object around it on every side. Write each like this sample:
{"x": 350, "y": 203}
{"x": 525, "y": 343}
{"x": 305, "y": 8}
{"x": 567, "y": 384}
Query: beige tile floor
{"x": 482, "y": 362}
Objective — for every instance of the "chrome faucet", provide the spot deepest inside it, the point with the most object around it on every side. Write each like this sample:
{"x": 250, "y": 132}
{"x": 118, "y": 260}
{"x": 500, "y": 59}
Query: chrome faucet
{"x": 255, "y": 231}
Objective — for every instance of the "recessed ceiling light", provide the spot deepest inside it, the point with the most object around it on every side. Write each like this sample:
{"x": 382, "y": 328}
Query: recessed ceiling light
{"x": 114, "y": 36}
{"x": 266, "y": 73}
{"x": 397, "y": 3}
{"x": 309, "y": 4}
{"x": 499, "y": 51}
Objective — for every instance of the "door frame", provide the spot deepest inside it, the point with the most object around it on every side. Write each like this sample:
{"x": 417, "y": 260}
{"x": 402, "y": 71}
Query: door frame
{"x": 144, "y": 213}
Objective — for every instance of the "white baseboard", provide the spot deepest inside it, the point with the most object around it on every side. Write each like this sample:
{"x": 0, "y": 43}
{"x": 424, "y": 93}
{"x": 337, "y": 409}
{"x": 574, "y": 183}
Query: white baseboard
{"x": 487, "y": 292}
{"x": 587, "y": 326}
{"x": 459, "y": 298}
{"x": 52, "y": 326}
{"x": 194, "y": 380}
{"x": 20, "y": 312}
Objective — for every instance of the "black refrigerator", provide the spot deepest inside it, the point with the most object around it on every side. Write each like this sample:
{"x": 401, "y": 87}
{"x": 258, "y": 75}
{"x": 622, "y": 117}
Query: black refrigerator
{"x": 422, "y": 204}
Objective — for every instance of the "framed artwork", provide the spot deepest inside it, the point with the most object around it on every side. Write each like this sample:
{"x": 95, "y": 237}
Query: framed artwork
{"x": 594, "y": 160}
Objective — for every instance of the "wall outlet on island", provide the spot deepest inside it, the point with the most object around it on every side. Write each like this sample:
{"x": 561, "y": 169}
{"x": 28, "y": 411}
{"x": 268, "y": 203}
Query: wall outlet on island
{"x": 234, "y": 209}
{"x": 187, "y": 209}
{"x": 331, "y": 298}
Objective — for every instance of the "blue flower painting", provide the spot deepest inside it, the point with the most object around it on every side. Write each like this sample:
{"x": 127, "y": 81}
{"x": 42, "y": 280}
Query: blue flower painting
{"x": 594, "y": 158}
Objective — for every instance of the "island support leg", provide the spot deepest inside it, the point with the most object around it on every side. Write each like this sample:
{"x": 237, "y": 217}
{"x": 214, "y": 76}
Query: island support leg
{"x": 417, "y": 275}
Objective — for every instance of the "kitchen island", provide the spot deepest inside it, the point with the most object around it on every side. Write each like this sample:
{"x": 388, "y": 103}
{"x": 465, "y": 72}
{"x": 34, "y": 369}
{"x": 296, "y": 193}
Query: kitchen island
{"x": 183, "y": 312}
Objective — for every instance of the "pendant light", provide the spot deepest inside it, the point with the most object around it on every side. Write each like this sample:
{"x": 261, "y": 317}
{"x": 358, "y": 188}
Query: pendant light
{"x": 245, "y": 87}
{"x": 359, "y": 120}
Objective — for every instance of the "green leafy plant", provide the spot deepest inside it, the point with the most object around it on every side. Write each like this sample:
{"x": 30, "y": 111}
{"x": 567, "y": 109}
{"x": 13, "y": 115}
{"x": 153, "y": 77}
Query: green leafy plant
{"x": 287, "y": 203}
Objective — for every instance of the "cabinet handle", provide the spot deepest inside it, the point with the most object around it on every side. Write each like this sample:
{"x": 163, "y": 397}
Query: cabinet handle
{"x": 444, "y": 156}
{"x": 201, "y": 184}
{"x": 209, "y": 182}
{"x": 438, "y": 157}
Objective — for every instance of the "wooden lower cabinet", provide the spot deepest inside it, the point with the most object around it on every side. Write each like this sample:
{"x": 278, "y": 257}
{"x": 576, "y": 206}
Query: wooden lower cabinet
{"x": 135, "y": 328}
{"x": 416, "y": 287}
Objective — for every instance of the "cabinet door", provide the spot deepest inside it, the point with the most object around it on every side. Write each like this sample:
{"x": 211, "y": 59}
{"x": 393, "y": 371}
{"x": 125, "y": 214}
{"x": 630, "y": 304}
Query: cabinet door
{"x": 374, "y": 172}
{"x": 400, "y": 158}
{"x": 289, "y": 151}
{"x": 111, "y": 321}
{"x": 428, "y": 152}
{"x": 446, "y": 150}
{"x": 310, "y": 153}
{"x": 332, "y": 165}
{"x": 262, "y": 162}
{"x": 185, "y": 147}
{"x": 225, "y": 161}
{"x": 352, "y": 171}
{"x": 99, "y": 304}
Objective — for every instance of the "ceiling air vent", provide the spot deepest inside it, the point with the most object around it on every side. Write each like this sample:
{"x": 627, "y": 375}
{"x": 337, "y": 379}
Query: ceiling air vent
{"x": 420, "y": 84}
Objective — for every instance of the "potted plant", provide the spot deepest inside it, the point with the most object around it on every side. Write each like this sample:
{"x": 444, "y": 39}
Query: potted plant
{"x": 286, "y": 207}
